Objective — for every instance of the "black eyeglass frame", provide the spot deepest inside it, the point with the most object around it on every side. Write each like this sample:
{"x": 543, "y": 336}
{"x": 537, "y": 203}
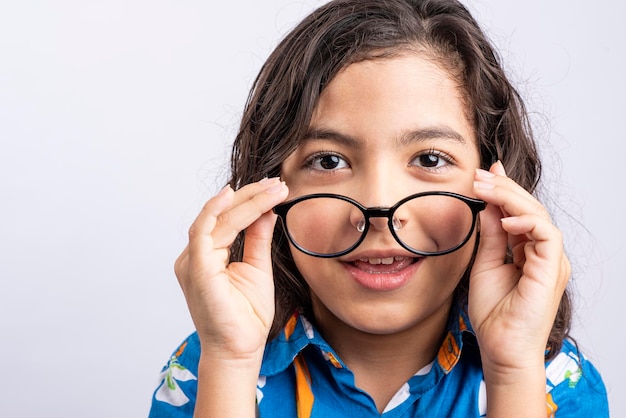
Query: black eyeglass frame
{"x": 475, "y": 205}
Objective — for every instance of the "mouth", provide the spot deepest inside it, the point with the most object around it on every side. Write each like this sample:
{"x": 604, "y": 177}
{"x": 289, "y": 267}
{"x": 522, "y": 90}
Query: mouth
{"x": 383, "y": 265}
{"x": 383, "y": 273}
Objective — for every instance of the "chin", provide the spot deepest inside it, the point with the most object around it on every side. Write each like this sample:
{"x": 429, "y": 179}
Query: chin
{"x": 378, "y": 318}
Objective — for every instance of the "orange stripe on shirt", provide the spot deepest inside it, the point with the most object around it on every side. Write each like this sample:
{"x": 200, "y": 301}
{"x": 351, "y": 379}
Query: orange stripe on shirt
{"x": 462, "y": 324}
{"x": 449, "y": 353}
{"x": 180, "y": 349}
{"x": 551, "y": 406}
{"x": 290, "y": 326}
{"x": 304, "y": 394}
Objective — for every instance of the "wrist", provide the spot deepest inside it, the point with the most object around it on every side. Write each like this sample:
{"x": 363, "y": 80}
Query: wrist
{"x": 513, "y": 392}
{"x": 238, "y": 351}
{"x": 505, "y": 365}
{"x": 226, "y": 386}
{"x": 215, "y": 359}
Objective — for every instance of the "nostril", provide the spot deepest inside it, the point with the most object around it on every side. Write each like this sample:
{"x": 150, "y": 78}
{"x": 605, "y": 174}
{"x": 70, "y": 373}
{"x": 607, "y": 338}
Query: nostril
{"x": 378, "y": 223}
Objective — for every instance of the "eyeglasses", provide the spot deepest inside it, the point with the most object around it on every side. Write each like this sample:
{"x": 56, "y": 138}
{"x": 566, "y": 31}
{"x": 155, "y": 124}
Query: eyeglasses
{"x": 427, "y": 224}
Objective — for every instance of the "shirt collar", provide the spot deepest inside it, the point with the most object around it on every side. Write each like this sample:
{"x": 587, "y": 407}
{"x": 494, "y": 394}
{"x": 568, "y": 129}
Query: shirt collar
{"x": 299, "y": 333}
{"x": 452, "y": 345}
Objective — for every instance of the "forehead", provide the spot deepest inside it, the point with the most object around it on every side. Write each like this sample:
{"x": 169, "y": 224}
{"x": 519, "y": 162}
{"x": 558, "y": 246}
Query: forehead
{"x": 405, "y": 92}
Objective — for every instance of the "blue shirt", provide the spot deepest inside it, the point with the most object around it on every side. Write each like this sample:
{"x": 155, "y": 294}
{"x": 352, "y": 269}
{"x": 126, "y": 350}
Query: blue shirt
{"x": 301, "y": 376}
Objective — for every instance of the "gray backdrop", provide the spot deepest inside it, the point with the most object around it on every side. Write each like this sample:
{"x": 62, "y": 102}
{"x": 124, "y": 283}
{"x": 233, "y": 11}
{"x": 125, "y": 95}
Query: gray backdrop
{"x": 115, "y": 120}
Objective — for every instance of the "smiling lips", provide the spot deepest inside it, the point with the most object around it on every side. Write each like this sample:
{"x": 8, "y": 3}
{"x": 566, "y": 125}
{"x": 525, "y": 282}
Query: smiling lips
{"x": 383, "y": 274}
{"x": 383, "y": 265}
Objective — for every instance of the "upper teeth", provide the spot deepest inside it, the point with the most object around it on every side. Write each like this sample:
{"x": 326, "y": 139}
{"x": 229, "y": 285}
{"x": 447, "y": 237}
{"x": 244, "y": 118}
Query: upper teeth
{"x": 376, "y": 260}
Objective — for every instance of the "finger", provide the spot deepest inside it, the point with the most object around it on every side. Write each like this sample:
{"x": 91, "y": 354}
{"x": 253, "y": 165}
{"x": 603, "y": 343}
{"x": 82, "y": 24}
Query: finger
{"x": 493, "y": 240}
{"x": 239, "y": 217}
{"x": 515, "y": 241}
{"x": 180, "y": 265}
{"x": 207, "y": 218}
{"x": 186, "y": 269}
{"x": 546, "y": 238}
{"x": 257, "y": 250}
{"x": 498, "y": 169}
{"x": 546, "y": 263}
{"x": 519, "y": 251}
{"x": 201, "y": 245}
{"x": 234, "y": 212}
{"x": 220, "y": 257}
{"x": 226, "y": 198}
{"x": 505, "y": 193}
{"x": 247, "y": 191}
{"x": 186, "y": 276}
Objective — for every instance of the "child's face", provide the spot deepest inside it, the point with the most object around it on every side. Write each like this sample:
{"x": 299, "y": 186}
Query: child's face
{"x": 383, "y": 130}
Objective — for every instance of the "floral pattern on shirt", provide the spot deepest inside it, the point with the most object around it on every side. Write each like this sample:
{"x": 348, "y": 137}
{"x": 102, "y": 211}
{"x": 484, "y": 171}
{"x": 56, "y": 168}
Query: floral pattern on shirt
{"x": 169, "y": 391}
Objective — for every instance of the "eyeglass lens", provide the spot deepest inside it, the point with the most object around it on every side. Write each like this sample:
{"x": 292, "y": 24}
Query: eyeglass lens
{"x": 429, "y": 223}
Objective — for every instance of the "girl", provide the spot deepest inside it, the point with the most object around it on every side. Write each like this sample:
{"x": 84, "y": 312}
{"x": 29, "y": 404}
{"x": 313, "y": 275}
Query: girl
{"x": 412, "y": 272}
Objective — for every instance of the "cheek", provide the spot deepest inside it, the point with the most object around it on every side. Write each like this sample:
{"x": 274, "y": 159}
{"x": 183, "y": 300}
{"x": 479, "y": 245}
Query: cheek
{"x": 451, "y": 267}
{"x": 304, "y": 263}
{"x": 321, "y": 274}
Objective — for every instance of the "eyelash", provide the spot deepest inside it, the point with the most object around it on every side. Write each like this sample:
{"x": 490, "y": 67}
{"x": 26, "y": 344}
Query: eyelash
{"x": 439, "y": 154}
{"x": 447, "y": 159}
{"x": 308, "y": 163}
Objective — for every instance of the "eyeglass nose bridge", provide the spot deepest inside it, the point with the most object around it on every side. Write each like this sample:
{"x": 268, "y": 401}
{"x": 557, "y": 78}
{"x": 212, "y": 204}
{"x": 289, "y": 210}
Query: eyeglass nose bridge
{"x": 379, "y": 212}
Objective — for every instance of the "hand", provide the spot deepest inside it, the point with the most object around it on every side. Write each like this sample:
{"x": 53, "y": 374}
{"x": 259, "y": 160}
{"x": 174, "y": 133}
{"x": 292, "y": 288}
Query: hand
{"x": 232, "y": 305}
{"x": 512, "y": 306}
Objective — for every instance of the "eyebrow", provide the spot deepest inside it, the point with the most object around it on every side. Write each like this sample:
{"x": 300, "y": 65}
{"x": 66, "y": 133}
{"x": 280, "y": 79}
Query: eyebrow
{"x": 419, "y": 135}
{"x": 434, "y": 132}
{"x": 328, "y": 134}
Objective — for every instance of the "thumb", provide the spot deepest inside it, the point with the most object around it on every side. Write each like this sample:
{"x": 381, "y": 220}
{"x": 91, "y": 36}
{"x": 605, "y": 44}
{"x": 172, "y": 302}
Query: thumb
{"x": 493, "y": 240}
{"x": 258, "y": 243}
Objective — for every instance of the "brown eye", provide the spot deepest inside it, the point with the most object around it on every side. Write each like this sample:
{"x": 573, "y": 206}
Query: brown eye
{"x": 429, "y": 160}
{"x": 432, "y": 160}
{"x": 327, "y": 162}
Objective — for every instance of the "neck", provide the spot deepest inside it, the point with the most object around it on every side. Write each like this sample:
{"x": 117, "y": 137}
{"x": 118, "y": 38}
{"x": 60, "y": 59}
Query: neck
{"x": 382, "y": 363}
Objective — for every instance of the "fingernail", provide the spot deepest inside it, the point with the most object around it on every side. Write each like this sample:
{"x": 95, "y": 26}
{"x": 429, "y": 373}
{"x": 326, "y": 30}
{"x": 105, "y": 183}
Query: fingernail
{"x": 501, "y": 169}
{"x": 269, "y": 180}
{"x": 276, "y": 188}
{"x": 484, "y": 173}
{"x": 483, "y": 185}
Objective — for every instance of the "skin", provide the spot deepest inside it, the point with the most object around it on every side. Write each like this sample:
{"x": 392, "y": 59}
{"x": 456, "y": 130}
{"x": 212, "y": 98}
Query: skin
{"x": 365, "y": 117}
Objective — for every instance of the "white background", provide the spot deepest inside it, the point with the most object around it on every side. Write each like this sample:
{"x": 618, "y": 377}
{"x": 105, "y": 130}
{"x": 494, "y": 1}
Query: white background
{"x": 115, "y": 120}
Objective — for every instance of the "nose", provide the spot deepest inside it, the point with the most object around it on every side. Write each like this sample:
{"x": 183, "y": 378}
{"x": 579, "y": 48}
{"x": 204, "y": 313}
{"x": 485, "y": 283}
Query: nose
{"x": 378, "y": 223}
{"x": 378, "y": 219}
{"x": 381, "y": 187}
{"x": 380, "y": 199}
{"x": 380, "y": 184}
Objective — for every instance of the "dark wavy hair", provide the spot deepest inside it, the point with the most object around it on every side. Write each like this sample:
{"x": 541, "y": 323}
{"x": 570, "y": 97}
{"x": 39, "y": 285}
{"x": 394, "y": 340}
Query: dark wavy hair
{"x": 342, "y": 32}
